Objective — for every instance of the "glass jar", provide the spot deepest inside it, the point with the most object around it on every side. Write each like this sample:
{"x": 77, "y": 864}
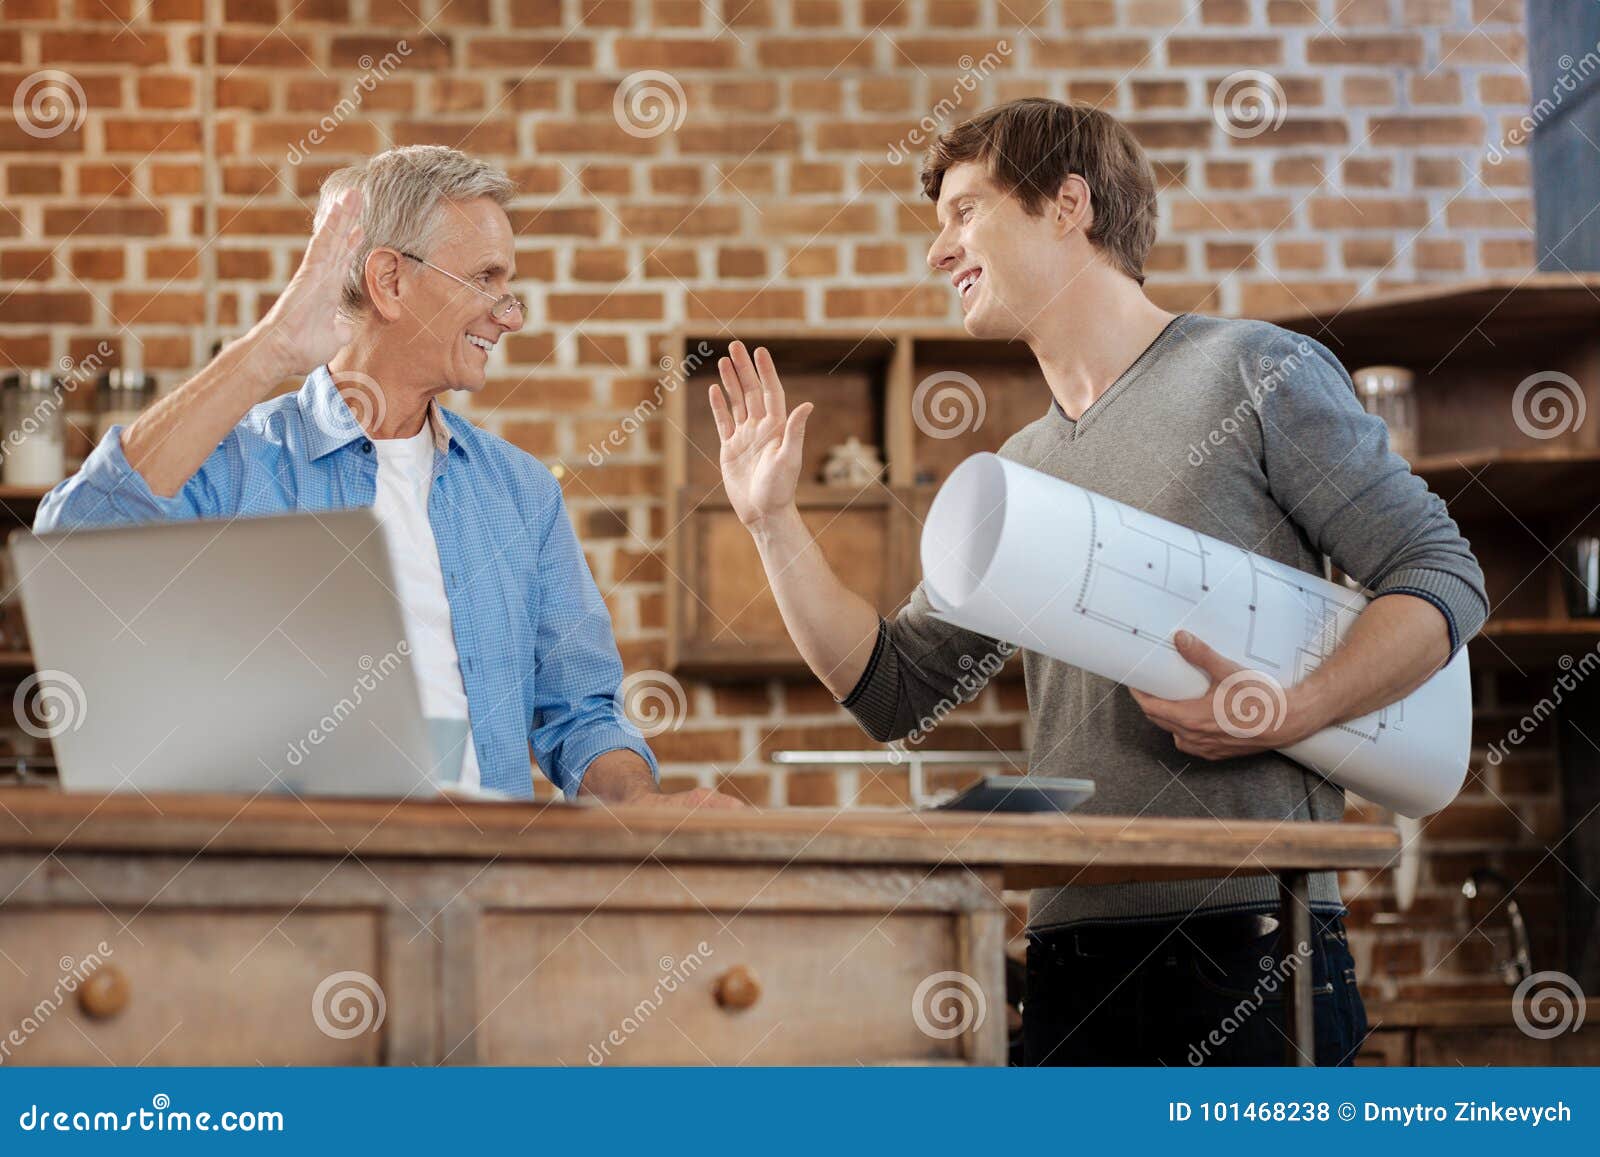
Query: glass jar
{"x": 1387, "y": 392}
{"x": 34, "y": 419}
{"x": 121, "y": 395}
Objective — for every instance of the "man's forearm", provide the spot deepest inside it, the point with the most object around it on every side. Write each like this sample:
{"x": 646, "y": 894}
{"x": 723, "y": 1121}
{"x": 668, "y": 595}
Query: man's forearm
{"x": 618, "y": 777}
{"x": 172, "y": 440}
{"x": 1395, "y": 644}
{"x": 834, "y": 628}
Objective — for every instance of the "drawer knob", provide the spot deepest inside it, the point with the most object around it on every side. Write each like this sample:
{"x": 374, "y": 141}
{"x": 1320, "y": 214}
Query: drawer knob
{"x": 105, "y": 993}
{"x": 737, "y": 988}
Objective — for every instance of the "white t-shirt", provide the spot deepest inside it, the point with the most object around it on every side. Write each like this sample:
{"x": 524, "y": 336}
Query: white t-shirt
{"x": 405, "y": 477}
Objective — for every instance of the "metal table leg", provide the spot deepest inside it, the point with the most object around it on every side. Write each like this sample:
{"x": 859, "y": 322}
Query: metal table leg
{"x": 1294, "y": 912}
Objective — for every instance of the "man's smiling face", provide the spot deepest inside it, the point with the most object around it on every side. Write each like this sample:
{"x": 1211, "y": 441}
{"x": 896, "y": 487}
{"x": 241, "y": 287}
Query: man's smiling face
{"x": 451, "y": 331}
{"x": 1004, "y": 263}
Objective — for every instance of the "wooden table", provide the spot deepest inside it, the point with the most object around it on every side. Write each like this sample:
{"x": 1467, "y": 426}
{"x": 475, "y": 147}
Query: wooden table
{"x": 220, "y": 929}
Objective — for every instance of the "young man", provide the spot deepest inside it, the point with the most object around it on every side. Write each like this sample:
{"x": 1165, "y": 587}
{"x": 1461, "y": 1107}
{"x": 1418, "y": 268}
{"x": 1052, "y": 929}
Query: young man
{"x": 1046, "y": 214}
{"x": 403, "y": 293}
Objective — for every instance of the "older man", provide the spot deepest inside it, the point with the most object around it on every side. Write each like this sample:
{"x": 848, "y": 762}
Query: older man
{"x": 402, "y": 295}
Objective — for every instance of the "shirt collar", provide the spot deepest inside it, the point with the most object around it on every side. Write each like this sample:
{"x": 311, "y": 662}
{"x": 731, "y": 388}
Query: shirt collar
{"x": 330, "y": 424}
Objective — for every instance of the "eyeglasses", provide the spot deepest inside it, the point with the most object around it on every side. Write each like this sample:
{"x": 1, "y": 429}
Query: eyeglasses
{"x": 503, "y": 305}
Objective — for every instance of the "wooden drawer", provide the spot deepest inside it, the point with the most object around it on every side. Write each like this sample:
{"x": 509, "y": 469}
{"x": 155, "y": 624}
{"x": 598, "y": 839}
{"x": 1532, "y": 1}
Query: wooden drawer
{"x": 638, "y": 988}
{"x": 203, "y": 988}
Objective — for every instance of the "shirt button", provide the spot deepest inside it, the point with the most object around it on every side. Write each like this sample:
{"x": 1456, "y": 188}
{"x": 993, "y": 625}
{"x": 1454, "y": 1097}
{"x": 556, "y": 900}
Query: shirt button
{"x": 366, "y": 447}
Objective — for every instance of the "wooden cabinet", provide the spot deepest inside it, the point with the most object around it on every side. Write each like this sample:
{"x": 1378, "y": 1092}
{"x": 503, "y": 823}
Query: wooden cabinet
{"x": 924, "y": 401}
{"x": 1507, "y": 392}
{"x": 278, "y": 931}
{"x": 702, "y": 988}
{"x": 182, "y": 987}
{"x": 1471, "y": 1031}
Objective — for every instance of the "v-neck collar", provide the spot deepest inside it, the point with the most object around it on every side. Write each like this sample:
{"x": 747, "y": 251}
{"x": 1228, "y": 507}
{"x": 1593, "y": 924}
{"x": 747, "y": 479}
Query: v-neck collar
{"x": 1124, "y": 379}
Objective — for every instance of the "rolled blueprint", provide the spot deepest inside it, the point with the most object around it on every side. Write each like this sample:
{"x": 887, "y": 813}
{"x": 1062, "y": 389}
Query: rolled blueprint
{"x": 1020, "y": 556}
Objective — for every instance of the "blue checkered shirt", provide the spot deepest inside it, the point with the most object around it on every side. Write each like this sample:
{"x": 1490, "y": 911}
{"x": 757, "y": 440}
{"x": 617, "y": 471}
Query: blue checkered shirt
{"x": 533, "y": 636}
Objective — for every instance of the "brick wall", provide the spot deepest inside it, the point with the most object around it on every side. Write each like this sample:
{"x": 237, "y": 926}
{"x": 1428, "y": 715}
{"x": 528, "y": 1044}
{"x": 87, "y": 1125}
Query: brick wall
{"x": 788, "y": 193}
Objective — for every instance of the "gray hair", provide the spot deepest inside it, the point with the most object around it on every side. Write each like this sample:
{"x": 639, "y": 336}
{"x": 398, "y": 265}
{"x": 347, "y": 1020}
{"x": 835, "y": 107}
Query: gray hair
{"x": 404, "y": 193}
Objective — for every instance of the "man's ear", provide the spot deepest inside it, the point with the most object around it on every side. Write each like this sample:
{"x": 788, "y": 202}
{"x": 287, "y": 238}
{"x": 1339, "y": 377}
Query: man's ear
{"x": 382, "y": 275}
{"x": 1073, "y": 208}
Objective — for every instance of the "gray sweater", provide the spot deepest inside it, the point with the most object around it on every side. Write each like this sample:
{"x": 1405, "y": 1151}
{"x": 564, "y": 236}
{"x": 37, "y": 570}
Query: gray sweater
{"x": 1251, "y": 434}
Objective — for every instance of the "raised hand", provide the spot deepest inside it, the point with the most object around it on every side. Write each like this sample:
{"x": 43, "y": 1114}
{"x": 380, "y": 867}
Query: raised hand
{"x": 303, "y": 328}
{"x": 760, "y": 442}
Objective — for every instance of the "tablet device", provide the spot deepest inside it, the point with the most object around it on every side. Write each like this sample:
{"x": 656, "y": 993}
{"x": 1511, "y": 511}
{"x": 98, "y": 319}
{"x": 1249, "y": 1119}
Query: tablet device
{"x": 1021, "y": 793}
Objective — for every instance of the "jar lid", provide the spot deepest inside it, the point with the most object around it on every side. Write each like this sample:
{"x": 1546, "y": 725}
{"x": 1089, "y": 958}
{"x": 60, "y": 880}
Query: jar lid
{"x": 126, "y": 379}
{"x": 40, "y": 380}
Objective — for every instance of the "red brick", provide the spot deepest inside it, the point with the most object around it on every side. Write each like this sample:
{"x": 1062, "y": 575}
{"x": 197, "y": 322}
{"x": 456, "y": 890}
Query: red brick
{"x": 1123, "y": 53}
{"x": 728, "y": 304}
{"x": 131, "y": 308}
{"x": 828, "y": 53}
{"x": 673, "y": 52}
{"x": 166, "y": 91}
{"x": 1410, "y": 132}
{"x": 1260, "y": 51}
{"x": 627, "y": 306}
{"x": 917, "y": 301}
{"x": 1402, "y": 50}
{"x": 107, "y": 221}
{"x": 53, "y": 307}
{"x": 529, "y": 54}
{"x": 36, "y": 264}
{"x": 738, "y": 137}
{"x": 1368, "y": 213}
{"x": 130, "y": 46}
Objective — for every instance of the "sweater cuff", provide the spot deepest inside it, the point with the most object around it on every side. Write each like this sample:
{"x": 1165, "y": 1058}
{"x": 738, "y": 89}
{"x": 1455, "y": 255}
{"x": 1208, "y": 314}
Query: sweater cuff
{"x": 875, "y": 699}
{"x": 1457, "y": 600}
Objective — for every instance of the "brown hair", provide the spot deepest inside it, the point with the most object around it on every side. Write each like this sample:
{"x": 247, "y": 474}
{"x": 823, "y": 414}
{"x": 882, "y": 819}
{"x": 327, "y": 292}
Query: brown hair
{"x": 1032, "y": 145}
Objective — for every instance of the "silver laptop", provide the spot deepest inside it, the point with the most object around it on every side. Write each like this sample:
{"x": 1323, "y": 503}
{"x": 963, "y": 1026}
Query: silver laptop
{"x": 258, "y": 654}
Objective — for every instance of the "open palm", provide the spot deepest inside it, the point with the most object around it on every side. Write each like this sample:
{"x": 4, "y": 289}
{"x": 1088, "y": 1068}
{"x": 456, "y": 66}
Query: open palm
{"x": 761, "y": 442}
{"x": 304, "y": 323}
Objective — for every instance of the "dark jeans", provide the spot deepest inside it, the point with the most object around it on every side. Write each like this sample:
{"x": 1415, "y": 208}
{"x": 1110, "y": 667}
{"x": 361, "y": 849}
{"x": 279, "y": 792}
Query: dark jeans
{"x": 1208, "y": 990}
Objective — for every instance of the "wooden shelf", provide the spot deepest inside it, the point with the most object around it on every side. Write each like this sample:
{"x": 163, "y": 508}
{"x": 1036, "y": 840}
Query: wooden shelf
{"x": 1455, "y": 321}
{"x": 22, "y": 495}
{"x": 1503, "y": 483}
{"x": 722, "y": 620}
{"x": 1533, "y": 641}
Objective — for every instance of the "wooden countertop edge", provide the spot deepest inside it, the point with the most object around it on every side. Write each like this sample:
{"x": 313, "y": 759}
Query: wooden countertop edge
{"x": 44, "y": 820}
{"x": 1448, "y": 1012}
